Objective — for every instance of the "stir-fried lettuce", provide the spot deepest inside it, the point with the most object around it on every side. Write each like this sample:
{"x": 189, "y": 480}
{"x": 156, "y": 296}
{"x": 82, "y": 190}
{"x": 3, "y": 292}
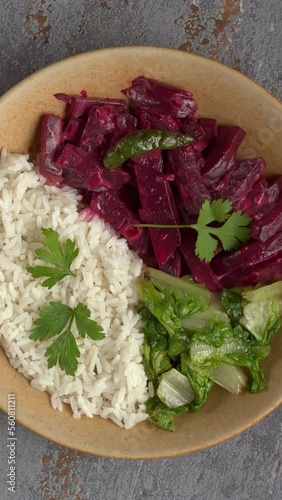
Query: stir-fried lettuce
{"x": 199, "y": 381}
{"x": 194, "y": 339}
{"x": 171, "y": 299}
{"x": 261, "y": 315}
{"x": 223, "y": 344}
{"x": 156, "y": 359}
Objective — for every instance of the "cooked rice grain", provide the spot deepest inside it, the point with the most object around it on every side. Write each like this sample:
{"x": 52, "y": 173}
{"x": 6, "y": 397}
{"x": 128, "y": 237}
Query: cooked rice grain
{"x": 110, "y": 380}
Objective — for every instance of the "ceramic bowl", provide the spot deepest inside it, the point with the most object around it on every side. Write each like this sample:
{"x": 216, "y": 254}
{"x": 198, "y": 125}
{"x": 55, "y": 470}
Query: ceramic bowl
{"x": 221, "y": 93}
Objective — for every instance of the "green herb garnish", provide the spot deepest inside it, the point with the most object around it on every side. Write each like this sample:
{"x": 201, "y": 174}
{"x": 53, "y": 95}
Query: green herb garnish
{"x": 57, "y": 319}
{"x": 232, "y": 233}
{"x": 60, "y": 255}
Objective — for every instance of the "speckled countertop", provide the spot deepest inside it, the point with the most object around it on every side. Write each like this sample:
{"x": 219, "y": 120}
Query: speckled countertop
{"x": 245, "y": 34}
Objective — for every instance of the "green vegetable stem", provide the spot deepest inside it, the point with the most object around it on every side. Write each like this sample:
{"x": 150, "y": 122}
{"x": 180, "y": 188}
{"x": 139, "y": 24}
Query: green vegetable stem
{"x": 143, "y": 141}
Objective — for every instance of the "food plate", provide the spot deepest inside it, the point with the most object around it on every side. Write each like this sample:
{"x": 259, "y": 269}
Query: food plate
{"x": 221, "y": 93}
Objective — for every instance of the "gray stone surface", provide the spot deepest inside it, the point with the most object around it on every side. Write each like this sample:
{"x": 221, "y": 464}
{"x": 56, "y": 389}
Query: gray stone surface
{"x": 245, "y": 34}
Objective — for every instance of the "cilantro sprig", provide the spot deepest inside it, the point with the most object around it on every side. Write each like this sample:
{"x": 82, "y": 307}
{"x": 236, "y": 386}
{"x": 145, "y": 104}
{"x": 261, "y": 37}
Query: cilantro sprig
{"x": 231, "y": 234}
{"x": 57, "y": 320}
{"x": 60, "y": 255}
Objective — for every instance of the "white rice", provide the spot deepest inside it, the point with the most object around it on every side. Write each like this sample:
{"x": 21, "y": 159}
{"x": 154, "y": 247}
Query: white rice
{"x": 110, "y": 380}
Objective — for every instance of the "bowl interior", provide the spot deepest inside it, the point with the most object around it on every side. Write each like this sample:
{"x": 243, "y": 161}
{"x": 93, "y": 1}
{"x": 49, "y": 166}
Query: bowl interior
{"x": 221, "y": 93}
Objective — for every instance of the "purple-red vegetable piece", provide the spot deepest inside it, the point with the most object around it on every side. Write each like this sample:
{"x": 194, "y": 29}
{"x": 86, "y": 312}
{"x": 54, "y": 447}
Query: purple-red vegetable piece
{"x": 114, "y": 211}
{"x": 158, "y": 207}
{"x": 270, "y": 224}
{"x": 174, "y": 265}
{"x": 236, "y": 185}
{"x": 166, "y": 187}
{"x": 84, "y": 170}
{"x": 51, "y": 145}
{"x": 193, "y": 128}
{"x": 209, "y": 126}
{"x": 266, "y": 272}
{"x": 249, "y": 255}
{"x": 80, "y": 106}
{"x": 156, "y": 120}
{"x": 156, "y": 98}
{"x": 184, "y": 163}
{"x": 222, "y": 154}
{"x": 200, "y": 270}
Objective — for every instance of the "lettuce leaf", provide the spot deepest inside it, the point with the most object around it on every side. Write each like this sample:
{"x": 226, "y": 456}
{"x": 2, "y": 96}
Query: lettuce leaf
{"x": 156, "y": 359}
{"x": 231, "y": 303}
{"x": 162, "y": 416}
{"x": 261, "y": 314}
{"x": 223, "y": 344}
{"x": 201, "y": 384}
{"x": 169, "y": 305}
{"x": 206, "y": 338}
{"x": 262, "y": 319}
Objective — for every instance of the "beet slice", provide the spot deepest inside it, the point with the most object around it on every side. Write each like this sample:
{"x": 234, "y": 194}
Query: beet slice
{"x": 222, "y": 154}
{"x": 124, "y": 123}
{"x": 194, "y": 129}
{"x": 200, "y": 270}
{"x": 264, "y": 273}
{"x": 187, "y": 168}
{"x": 154, "y": 97}
{"x": 260, "y": 206}
{"x": 158, "y": 207}
{"x": 156, "y": 120}
{"x": 98, "y": 129}
{"x": 174, "y": 265}
{"x": 152, "y": 160}
{"x": 236, "y": 185}
{"x": 270, "y": 224}
{"x": 249, "y": 255}
{"x": 51, "y": 145}
{"x": 104, "y": 127}
{"x": 80, "y": 106}
{"x": 85, "y": 170}
{"x": 73, "y": 130}
{"x": 114, "y": 211}
{"x": 210, "y": 128}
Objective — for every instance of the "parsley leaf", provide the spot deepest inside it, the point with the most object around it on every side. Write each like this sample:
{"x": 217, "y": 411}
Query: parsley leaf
{"x": 65, "y": 352}
{"x": 60, "y": 255}
{"x": 53, "y": 319}
{"x": 232, "y": 233}
{"x": 57, "y": 319}
{"x": 86, "y": 326}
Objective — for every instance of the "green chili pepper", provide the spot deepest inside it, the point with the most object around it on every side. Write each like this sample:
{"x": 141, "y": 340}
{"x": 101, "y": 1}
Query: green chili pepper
{"x": 141, "y": 142}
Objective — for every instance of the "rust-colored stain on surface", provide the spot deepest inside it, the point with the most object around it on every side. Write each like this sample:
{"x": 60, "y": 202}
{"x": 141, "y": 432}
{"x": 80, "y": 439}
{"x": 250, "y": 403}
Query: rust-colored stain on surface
{"x": 39, "y": 23}
{"x": 105, "y": 5}
{"x": 46, "y": 458}
{"x": 278, "y": 466}
{"x": 178, "y": 20}
{"x": 213, "y": 33}
{"x": 81, "y": 27}
{"x": 58, "y": 479}
{"x": 193, "y": 27}
{"x": 221, "y": 23}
